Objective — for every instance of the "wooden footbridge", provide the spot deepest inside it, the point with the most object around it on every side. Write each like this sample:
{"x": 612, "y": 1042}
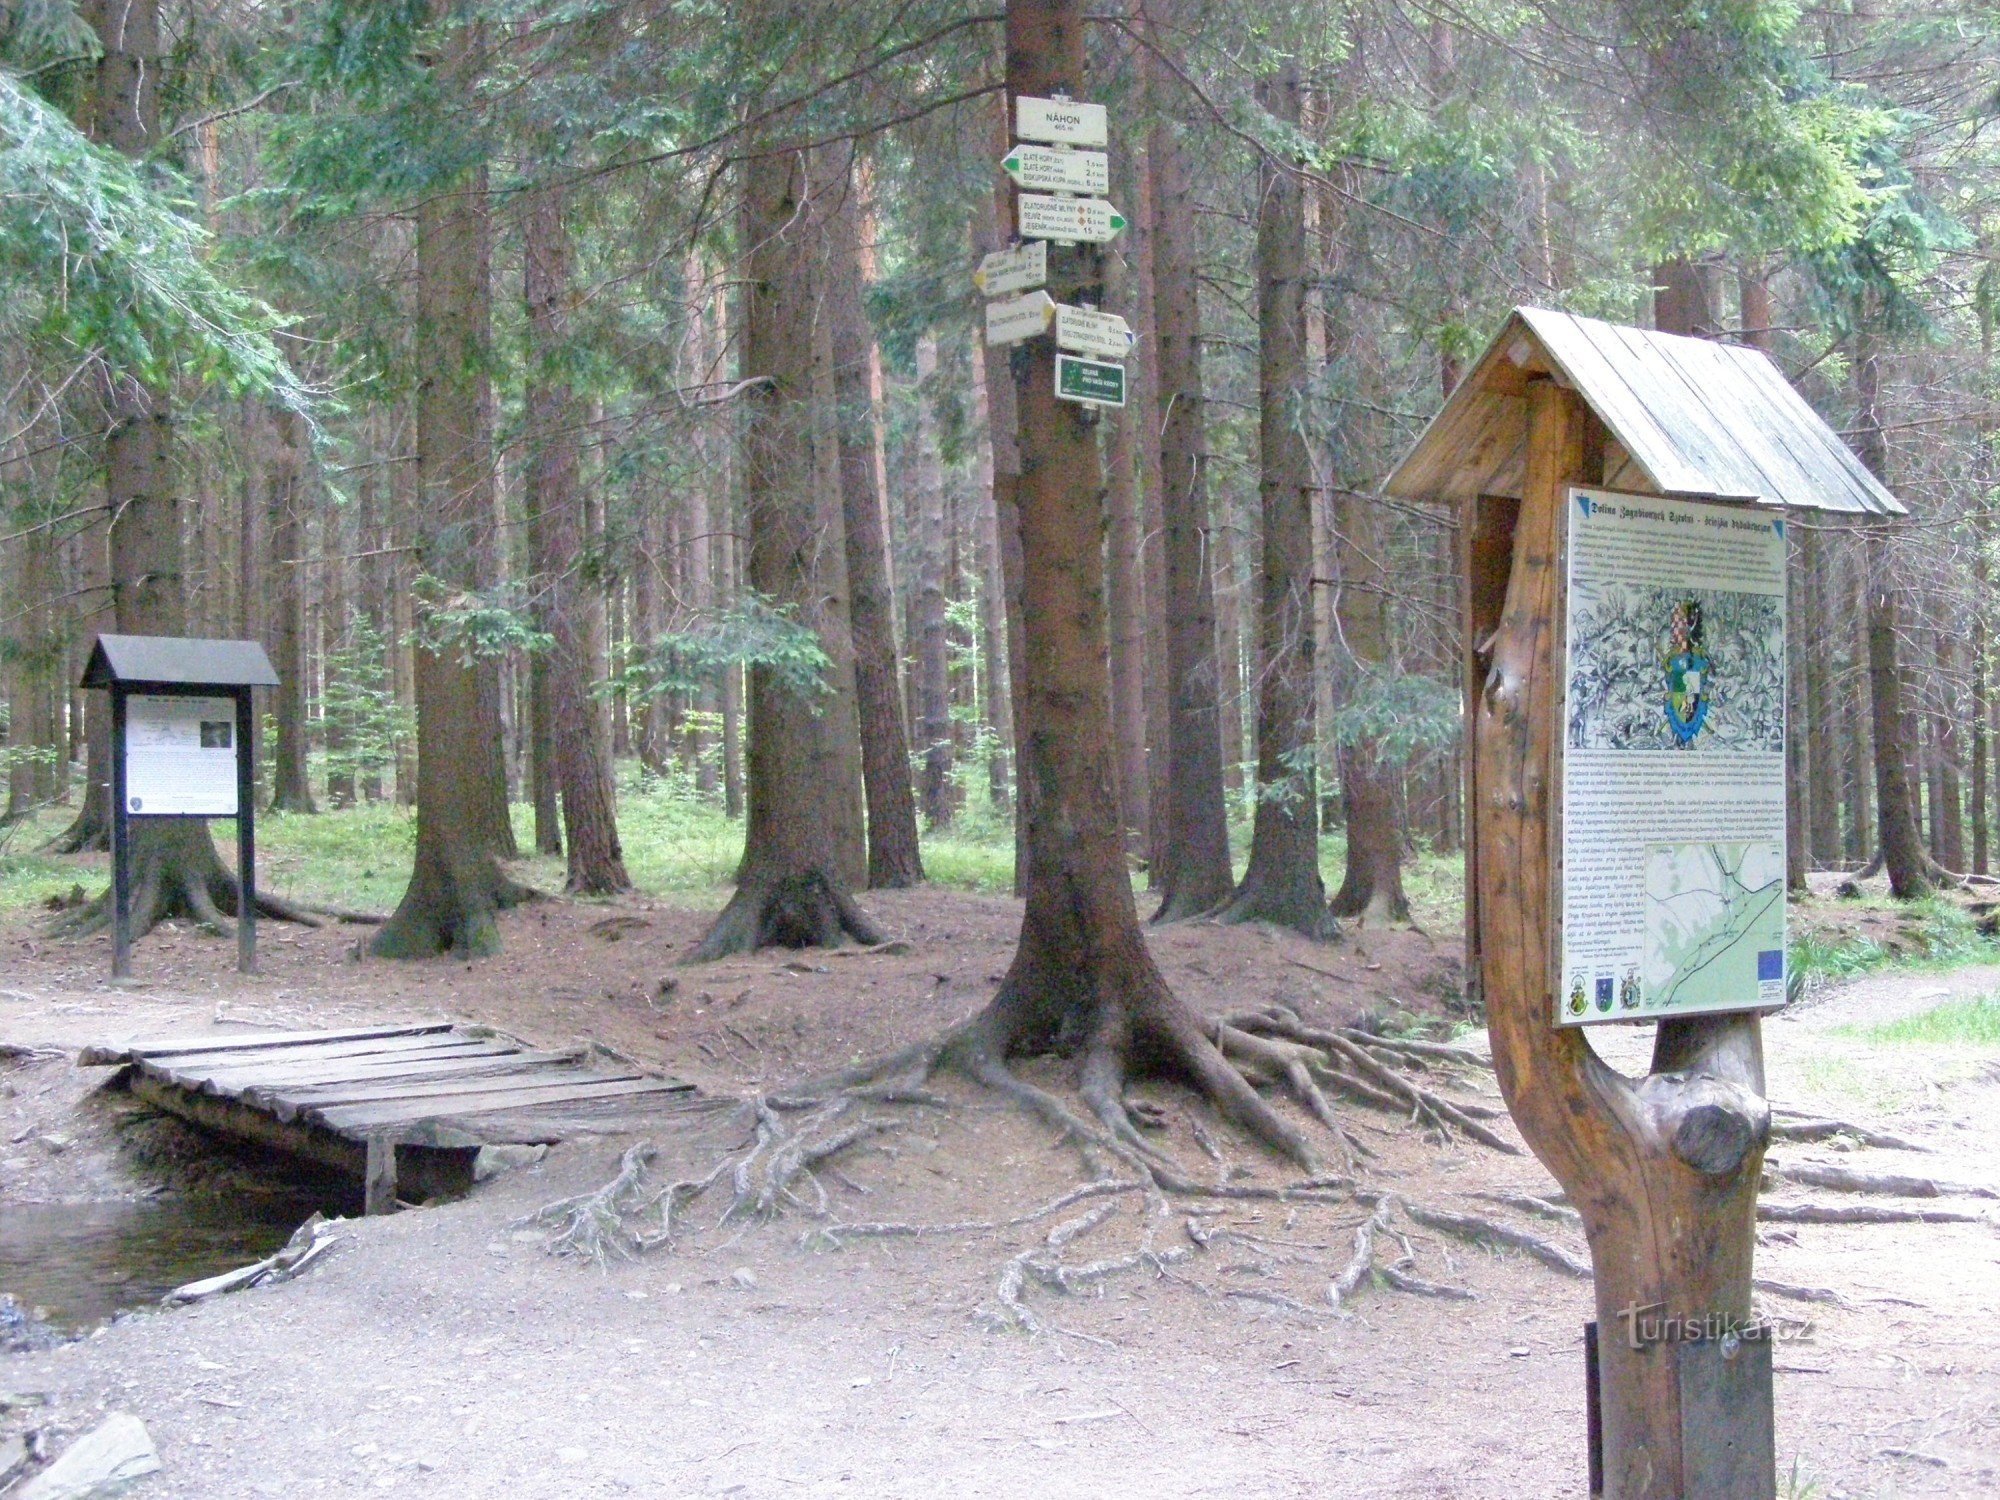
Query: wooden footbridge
{"x": 389, "y": 1105}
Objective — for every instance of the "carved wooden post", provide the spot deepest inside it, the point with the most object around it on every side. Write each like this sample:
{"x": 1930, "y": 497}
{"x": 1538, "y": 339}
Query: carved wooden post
{"x": 1663, "y": 1169}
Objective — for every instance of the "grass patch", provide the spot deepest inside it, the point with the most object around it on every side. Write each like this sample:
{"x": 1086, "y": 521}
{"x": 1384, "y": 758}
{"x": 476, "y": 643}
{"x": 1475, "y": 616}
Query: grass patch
{"x": 1955, "y": 1023}
{"x": 1932, "y": 934}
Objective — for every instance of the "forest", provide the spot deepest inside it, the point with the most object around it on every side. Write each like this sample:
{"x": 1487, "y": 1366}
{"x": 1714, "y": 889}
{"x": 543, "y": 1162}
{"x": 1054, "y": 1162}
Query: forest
{"x": 704, "y": 632}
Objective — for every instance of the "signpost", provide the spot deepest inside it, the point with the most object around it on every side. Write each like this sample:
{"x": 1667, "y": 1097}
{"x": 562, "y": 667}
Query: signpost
{"x": 1014, "y": 270}
{"x": 1018, "y": 318}
{"x": 181, "y": 736}
{"x": 1084, "y": 331}
{"x": 1067, "y": 220}
{"x": 1045, "y": 169}
{"x": 1064, "y": 121}
{"x": 1089, "y": 382}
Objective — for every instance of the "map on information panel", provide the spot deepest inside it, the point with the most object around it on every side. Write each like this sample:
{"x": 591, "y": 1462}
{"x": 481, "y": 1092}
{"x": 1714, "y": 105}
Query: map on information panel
{"x": 1673, "y": 844}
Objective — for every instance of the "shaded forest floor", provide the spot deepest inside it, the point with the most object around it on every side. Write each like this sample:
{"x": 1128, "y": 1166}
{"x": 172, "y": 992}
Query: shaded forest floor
{"x": 443, "y": 1352}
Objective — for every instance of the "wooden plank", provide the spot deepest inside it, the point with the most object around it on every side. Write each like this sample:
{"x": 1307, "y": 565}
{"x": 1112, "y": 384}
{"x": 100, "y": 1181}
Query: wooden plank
{"x": 377, "y": 1047}
{"x": 286, "y": 1100}
{"x": 357, "y": 1119}
{"x": 230, "y": 1080}
{"x": 291, "y": 1103}
{"x": 1689, "y": 415}
{"x": 1595, "y": 372}
{"x": 255, "y": 1090}
{"x": 1866, "y": 493}
{"x": 1712, "y": 382}
{"x": 247, "y": 1041}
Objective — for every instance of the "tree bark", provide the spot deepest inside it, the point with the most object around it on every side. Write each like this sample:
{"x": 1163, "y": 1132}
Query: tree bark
{"x": 1123, "y": 563}
{"x": 1822, "y": 747}
{"x": 1901, "y": 844}
{"x": 933, "y": 684}
{"x": 1282, "y": 882}
{"x": 1979, "y": 669}
{"x": 280, "y": 449}
{"x": 456, "y": 886}
{"x": 994, "y": 609}
{"x": 596, "y": 860}
{"x": 1196, "y": 875}
{"x": 793, "y": 887}
{"x": 894, "y": 857}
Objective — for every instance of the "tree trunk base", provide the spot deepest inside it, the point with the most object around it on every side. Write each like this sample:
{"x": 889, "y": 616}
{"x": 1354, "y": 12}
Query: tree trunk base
{"x": 792, "y": 911}
{"x": 1296, "y": 904}
{"x": 176, "y": 874}
{"x": 1370, "y": 902}
{"x": 89, "y": 831}
{"x": 450, "y": 911}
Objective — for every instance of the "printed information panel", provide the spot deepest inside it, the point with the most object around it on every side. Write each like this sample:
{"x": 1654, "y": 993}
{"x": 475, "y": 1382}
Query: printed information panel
{"x": 1673, "y": 789}
{"x": 180, "y": 756}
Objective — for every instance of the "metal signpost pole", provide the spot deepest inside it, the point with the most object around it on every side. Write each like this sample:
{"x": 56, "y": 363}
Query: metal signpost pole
{"x": 121, "y": 847}
{"x": 246, "y": 836}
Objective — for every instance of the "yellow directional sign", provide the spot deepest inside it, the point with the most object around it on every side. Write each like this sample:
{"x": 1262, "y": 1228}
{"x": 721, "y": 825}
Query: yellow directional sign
{"x": 1019, "y": 318}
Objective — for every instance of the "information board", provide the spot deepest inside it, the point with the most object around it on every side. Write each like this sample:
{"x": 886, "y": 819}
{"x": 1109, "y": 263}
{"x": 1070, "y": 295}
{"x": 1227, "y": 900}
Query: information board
{"x": 180, "y": 756}
{"x": 1673, "y": 760}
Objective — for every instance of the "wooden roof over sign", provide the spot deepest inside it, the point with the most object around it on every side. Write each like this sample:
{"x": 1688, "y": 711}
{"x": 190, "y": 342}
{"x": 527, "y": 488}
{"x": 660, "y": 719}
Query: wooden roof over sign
{"x": 1685, "y": 416}
{"x": 176, "y": 661}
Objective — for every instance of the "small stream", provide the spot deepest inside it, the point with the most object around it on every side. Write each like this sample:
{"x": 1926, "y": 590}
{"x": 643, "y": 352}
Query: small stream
{"x": 81, "y": 1262}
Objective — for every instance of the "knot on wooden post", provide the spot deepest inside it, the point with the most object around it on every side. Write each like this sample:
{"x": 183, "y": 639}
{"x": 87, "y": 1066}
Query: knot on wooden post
{"x": 1709, "y": 1123}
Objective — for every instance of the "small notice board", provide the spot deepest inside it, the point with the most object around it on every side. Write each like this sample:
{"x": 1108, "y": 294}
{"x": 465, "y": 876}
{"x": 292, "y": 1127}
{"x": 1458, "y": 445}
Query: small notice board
{"x": 1673, "y": 759}
{"x": 181, "y": 725}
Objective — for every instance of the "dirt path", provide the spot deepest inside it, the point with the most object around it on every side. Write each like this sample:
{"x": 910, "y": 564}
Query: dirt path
{"x": 441, "y": 1352}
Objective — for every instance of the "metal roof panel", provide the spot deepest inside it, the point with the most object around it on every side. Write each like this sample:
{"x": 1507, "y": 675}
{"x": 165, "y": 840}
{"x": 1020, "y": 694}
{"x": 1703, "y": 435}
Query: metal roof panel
{"x": 176, "y": 661}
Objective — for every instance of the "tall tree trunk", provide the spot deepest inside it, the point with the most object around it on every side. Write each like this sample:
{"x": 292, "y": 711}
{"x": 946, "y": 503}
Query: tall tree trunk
{"x": 1901, "y": 845}
{"x": 1142, "y": 398}
{"x": 933, "y": 685}
{"x": 596, "y": 864}
{"x": 281, "y": 448}
{"x": 1002, "y": 417}
{"x": 1372, "y": 886}
{"x": 993, "y": 610}
{"x": 1980, "y": 673}
{"x": 1822, "y": 747}
{"x": 1196, "y": 874}
{"x": 1082, "y": 980}
{"x": 1858, "y": 726}
{"x": 1123, "y": 563}
{"x": 1950, "y": 776}
{"x": 793, "y": 885}
{"x": 456, "y": 887}
{"x": 1282, "y": 883}
{"x": 894, "y": 859}
{"x": 175, "y": 869}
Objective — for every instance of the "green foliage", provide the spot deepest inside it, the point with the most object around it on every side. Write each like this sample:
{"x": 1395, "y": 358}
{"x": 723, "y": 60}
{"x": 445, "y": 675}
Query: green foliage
{"x": 361, "y": 725}
{"x": 752, "y": 632}
{"x": 99, "y": 260}
{"x": 1403, "y": 715}
{"x": 475, "y": 623}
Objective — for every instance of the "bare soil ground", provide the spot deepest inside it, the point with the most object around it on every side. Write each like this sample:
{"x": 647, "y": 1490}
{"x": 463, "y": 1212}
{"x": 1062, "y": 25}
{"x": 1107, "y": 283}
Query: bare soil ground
{"x": 443, "y": 1352}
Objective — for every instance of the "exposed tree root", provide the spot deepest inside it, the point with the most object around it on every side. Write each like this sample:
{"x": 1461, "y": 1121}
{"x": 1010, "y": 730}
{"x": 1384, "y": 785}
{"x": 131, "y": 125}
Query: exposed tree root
{"x": 1887, "y": 1184}
{"x": 1863, "y": 1213}
{"x": 176, "y": 873}
{"x": 793, "y": 911}
{"x": 1805, "y": 1128}
{"x": 1479, "y": 1231}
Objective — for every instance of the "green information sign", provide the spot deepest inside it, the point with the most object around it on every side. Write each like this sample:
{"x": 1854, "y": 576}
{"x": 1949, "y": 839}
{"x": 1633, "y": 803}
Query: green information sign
{"x": 1090, "y": 381}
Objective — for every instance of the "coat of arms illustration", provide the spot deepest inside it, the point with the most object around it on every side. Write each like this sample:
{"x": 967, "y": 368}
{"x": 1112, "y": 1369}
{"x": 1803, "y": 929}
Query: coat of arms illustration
{"x": 1687, "y": 668}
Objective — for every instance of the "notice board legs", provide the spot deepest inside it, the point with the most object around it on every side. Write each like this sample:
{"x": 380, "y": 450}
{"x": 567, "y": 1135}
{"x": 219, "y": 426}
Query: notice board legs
{"x": 246, "y": 836}
{"x": 121, "y": 848}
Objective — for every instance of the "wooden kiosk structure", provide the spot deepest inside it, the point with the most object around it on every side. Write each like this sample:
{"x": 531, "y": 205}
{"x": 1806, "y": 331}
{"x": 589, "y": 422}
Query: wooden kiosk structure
{"x": 1664, "y": 1169}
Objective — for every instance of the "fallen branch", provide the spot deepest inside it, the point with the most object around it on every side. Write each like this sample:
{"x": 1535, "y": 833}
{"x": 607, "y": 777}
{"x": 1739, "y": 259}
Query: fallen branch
{"x": 1362, "y": 1262}
{"x": 1798, "y": 1293}
{"x": 1403, "y": 1282}
{"x": 308, "y": 1242}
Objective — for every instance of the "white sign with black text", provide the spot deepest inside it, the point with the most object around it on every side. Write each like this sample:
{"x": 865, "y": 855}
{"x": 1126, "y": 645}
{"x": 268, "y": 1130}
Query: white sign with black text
{"x": 180, "y": 756}
{"x": 1063, "y": 121}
